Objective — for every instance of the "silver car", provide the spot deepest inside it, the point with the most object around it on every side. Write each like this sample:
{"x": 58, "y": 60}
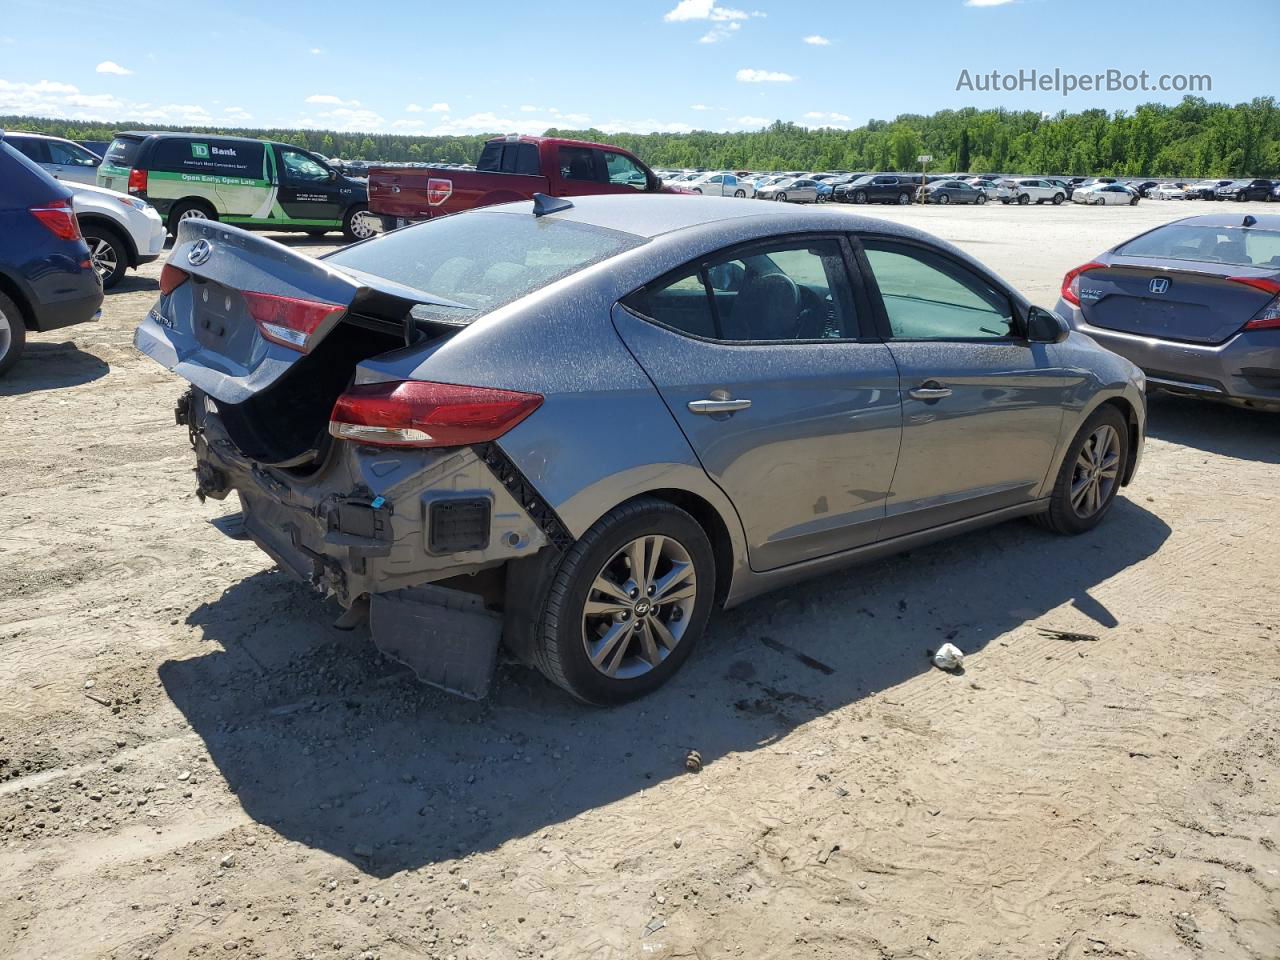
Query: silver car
{"x": 792, "y": 190}
{"x": 577, "y": 427}
{"x": 1195, "y": 303}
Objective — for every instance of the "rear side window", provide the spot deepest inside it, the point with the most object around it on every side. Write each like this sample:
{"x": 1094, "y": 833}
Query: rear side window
{"x": 123, "y": 151}
{"x": 576, "y": 163}
{"x": 482, "y": 260}
{"x": 520, "y": 158}
{"x": 226, "y": 158}
{"x": 32, "y": 148}
{"x": 1230, "y": 245}
{"x": 778, "y": 292}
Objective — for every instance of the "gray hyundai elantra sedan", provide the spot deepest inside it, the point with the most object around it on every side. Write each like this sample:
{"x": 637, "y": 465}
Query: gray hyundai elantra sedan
{"x": 577, "y": 428}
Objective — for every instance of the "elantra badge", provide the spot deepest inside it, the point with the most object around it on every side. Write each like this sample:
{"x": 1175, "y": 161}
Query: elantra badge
{"x": 199, "y": 253}
{"x": 1160, "y": 285}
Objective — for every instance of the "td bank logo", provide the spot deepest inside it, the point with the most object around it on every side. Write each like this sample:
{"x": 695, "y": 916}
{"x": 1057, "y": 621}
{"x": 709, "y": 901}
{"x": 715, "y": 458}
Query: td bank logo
{"x": 200, "y": 151}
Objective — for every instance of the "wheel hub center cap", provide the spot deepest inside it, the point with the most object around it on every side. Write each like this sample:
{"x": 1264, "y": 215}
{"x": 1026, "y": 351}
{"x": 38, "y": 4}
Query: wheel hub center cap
{"x": 642, "y": 608}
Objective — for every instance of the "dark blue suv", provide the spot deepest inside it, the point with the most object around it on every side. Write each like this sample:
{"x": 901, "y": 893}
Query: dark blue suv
{"x": 46, "y": 277}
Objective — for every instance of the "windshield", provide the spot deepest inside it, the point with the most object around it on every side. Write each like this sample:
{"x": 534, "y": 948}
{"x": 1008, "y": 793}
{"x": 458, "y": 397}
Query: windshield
{"x": 1233, "y": 245}
{"x": 482, "y": 261}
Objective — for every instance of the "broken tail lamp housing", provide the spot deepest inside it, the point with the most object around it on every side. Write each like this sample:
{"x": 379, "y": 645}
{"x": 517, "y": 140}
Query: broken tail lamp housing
{"x": 411, "y": 413}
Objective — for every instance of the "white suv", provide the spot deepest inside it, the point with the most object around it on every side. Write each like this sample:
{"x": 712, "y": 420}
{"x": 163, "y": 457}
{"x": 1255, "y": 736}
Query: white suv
{"x": 61, "y": 159}
{"x": 121, "y": 231}
{"x": 1029, "y": 190}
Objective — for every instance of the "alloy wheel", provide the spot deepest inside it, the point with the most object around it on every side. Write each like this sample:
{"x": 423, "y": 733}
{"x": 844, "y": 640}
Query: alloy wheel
{"x": 193, "y": 213}
{"x": 6, "y": 338}
{"x": 639, "y": 606}
{"x": 1097, "y": 471}
{"x": 103, "y": 256}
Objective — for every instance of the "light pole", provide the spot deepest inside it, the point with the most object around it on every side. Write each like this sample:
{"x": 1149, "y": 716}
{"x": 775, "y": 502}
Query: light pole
{"x": 924, "y": 160}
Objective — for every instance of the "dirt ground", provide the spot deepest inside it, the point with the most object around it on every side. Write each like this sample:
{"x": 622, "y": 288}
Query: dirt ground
{"x": 194, "y": 763}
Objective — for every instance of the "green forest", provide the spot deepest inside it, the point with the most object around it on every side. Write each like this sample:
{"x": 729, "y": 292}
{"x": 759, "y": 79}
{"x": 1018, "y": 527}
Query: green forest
{"x": 1195, "y": 138}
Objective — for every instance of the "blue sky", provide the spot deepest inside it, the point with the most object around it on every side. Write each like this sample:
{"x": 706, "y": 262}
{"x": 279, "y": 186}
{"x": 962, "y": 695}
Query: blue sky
{"x": 423, "y": 67}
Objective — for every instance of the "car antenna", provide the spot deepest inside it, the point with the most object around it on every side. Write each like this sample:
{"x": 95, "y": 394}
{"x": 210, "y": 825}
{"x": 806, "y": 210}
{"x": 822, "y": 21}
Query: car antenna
{"x": 1250, "y": 220}
{"x": 542, "y": 204}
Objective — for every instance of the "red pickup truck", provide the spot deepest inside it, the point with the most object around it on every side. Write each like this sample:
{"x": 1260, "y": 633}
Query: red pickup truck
{"x": 509, "y": 168}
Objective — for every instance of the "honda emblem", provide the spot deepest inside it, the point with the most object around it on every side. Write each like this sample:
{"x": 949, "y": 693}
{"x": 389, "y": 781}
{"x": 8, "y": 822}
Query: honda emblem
{"x": 1160, "y": 285}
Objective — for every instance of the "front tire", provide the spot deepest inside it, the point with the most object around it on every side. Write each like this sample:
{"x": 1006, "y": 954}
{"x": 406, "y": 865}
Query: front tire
{"x": 13, "y": 333}
{"x": 780, "y": 197}
{"x": 904, "y": 199}
{"x": 108, "y": 253}
{"x": 944, "y": 199}
{"x": 628, "y": 604}
{"x": 1090, "y": 476}
{"x": 980, "y": 199}
{"x": 860, "y": 197}
{"x": 740, "y": 194}
{"x": 1023, "y": 200}
{"x": 357, "y": 223}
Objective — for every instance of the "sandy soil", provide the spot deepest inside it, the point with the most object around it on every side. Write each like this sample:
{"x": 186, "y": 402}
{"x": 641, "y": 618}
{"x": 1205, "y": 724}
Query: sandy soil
{"x": 194, "y": 763}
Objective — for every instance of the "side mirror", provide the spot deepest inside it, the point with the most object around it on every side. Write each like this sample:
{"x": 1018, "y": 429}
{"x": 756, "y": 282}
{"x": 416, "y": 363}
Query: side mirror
{"x": 333, "y": 174}
{"x": 727, "y": 277}
{"x": 1044, "y": 326}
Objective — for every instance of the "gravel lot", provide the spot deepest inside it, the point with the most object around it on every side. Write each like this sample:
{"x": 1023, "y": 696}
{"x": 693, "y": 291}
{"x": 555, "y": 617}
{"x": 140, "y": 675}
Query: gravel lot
{"x": 193, "y": 762}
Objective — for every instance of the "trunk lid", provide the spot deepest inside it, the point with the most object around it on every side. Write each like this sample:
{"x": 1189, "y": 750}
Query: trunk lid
{"x": 1145, "y": 296}
{"x": 203, "y": 328}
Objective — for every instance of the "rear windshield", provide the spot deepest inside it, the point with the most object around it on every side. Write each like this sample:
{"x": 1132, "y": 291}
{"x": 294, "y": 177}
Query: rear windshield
{"x": 482, "y": 260}
{"x": 122, "y": 151}
{"x": 1234, "y": 245}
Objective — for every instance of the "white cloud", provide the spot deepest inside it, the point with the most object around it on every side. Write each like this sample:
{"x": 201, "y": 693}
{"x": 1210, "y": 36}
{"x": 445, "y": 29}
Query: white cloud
{"x": 753, "y": 123}
{"x": 699, "y": 106}
{"x": 720, "y": 31}
{"x": 829, "y": 119}
{"x": 413, "y": 108}
{"x": 986, "y": 3}
{"x": 643, "y": 126}
{"x": 763, "y": 76}
{"x": 113, "y": 68}
{"x": 328, "y": 98}
{"x": 315, "y": 51}
{"x": 237, "y": 113}
{"x": 351, "y": 119}
{"x": 817, "y": 40}
{"x": 526, "y": 108}
{"x": 49, "y": 98}
{"x": 438, "y": 108}
{"x": 705, "y": 10}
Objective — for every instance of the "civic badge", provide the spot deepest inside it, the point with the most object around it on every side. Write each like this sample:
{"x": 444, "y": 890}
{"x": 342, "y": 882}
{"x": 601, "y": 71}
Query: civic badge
{"x": 1160, "y": 285}
{"x": 203, "y": 250}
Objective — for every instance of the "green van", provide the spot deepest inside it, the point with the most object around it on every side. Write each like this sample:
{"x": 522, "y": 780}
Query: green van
{"x": 254, "y": 184}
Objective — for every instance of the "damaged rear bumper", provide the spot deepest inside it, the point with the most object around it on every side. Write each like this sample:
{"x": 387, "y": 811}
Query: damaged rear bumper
{"x": 380, "y": 524}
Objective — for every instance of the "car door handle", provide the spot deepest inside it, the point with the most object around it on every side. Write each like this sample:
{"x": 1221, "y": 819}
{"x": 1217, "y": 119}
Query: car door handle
{"x": 929, "y": 390}
{"x": 718, "y": 406}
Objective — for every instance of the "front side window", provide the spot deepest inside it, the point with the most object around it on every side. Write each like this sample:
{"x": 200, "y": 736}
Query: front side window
{"x": 795, "y": 290}
{"x": 576, "y": 163}
{"x": 71, "y": 155}
{"x": 625, "y": 172}
{"x": 300, "y": 168}
{"x": 929, "y": 297}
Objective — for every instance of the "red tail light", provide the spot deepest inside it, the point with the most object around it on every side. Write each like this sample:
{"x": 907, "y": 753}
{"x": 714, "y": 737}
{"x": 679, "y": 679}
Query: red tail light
{"x": 1268, "y": 318}
{"x": 1071, "y": 282}
{"x": 171, "y": 278}
{"x": 137, "y": 181}
{"x": 288, "y": 321}
{"x": 438, "y": 190}
{"x": 58, "y": 216}
{"x": 415, "y": 414}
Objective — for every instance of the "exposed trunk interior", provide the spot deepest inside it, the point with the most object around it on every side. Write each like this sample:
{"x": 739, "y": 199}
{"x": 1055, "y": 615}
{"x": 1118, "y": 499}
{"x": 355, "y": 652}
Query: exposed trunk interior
{"x": 287, "y": 425}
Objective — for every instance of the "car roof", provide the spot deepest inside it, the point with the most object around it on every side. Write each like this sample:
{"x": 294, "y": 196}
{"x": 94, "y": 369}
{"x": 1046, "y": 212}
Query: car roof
{"x": 1267, "y": 221}
{"x": 11, "y": 134}
{"x": 143, "y": 134}
{"x": 653, "y": 216}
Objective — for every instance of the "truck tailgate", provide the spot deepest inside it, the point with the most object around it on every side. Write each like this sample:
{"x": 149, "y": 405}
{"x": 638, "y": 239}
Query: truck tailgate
{"x": 418, "y": 193}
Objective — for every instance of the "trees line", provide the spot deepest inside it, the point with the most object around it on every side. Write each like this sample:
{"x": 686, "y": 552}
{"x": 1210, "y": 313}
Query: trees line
{"x": 1194, "y": 138}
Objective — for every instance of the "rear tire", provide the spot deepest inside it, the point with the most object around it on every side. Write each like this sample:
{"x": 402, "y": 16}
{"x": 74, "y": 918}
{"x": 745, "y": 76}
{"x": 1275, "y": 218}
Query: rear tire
{"x": 943, "y": 198}
{"x": 13, "y": 333}
{"x": 740, "y": 194}
{"x": 980, "y": 199}
{"x": 1023, "y": 200}
{"x": 189, "y": 210}
{"x": 860, "y": 197}
{"x": 108, "y": 252}
{"x": 355, "y": 223}
{"x": 904, "y": 199}
{"x": 1058, "y": 198}
{"x": 566, "y": 628}
{"x": 780, "y": 197}
{"x": 1067, "y": 517}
